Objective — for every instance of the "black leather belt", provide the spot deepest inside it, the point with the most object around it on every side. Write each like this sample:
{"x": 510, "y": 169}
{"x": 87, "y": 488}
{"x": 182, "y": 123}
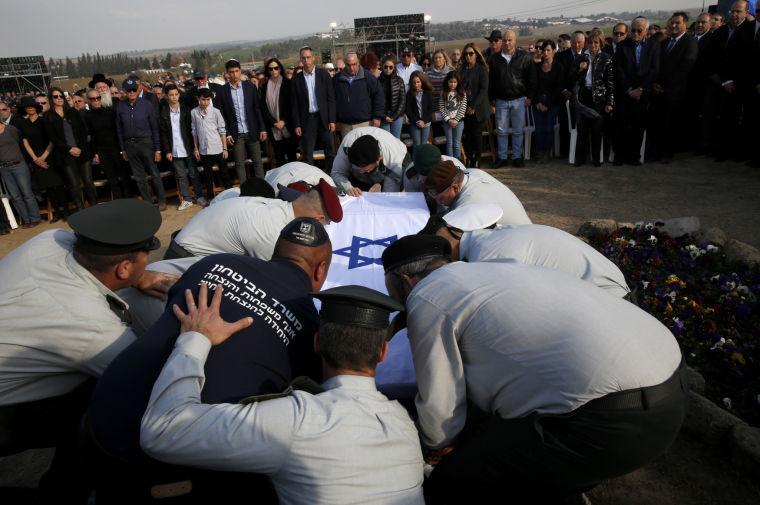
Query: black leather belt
{"x": 175, "y": 251}
{"x": 642, "y": 398}
{"x": 6, "y": 164}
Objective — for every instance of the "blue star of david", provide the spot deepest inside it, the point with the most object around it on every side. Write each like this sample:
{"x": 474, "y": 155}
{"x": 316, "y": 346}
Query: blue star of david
{"x": 356, "y": 260}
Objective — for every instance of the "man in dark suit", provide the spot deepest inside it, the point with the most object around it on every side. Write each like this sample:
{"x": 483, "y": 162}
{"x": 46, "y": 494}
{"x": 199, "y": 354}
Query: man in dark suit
{"x": 619, "y": 33}
{"x": 678, "y": 53}
{"x": 241, "y": 109}
{"x": 730, "y": 70}
{"x": 313, "y": 106}
{"x": 568, "y": 59}
{"x": 752, "y": 89}
{"x": 637, "y": 62}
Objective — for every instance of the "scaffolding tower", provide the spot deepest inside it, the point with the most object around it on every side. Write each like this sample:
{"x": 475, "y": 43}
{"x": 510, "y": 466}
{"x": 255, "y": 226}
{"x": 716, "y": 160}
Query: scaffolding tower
{"x": 382, "y": 35}
{"x": 24, "y": 74}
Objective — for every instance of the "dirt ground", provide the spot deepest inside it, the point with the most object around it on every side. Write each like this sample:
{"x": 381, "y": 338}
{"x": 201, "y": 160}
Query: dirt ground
{"x": 724, "y": 195}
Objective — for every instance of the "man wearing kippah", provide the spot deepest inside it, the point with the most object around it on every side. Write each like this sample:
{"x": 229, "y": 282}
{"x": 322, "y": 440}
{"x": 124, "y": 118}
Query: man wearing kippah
{"x": 346, "y": 444}
{"x": 61, "y": 324}
{"x": 370, "y": 159}
{"x": 453, "y": 187}
{"x": 533, "y": 385}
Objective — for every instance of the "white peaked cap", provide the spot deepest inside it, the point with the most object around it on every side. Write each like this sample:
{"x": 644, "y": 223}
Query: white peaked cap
{"x": 475, "y": 216}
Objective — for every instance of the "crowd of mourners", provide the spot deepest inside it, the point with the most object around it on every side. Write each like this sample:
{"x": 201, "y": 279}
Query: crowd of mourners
{"x": 528, "y": 372}
{"x": 690, "y": 86}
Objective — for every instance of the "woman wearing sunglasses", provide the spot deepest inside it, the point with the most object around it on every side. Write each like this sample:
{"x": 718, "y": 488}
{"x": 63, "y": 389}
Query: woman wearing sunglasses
{"x": 68, "y": 134}
{"x": 395, "y": 98}
{"x": 474, "y": 75}
{"x": 275, "y": 95}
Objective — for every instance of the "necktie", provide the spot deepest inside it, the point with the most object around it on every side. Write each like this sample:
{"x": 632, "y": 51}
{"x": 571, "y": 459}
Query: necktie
{"x": 671, "y": 44}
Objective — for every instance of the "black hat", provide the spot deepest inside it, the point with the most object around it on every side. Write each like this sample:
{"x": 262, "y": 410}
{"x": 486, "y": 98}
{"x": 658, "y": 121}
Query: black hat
{"x": 407, "y": 49}
{"x": 99, "y": 78}
{"x": 364, "y": 150}
{"x": 495, "y": 35}
{"x": 28, "y": 101}
{"x": 117, "y": 227}
{"x": 305, "y": 231}
{"x": 134, "y": 77}
{"x": 415, "y": 248}
{"x": 129, "y": 85}
{"x": 356, "y": 306}
{"x": 199, "y": 74}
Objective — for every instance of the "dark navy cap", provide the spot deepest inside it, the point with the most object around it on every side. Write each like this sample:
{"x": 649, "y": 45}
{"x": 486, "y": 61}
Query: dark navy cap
{"x": 129, "y": 85}
{"x": 356, "y": 306}
{"x": 199, "y": 74}
{"x": 117, "y": 227}
{"x": 134, "y": 77}
{"x": 415, "y": 248}
{"x": 305, "y": 231}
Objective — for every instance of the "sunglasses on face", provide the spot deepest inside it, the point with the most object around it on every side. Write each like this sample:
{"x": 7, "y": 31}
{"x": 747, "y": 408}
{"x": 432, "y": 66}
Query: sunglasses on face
{"x": 273, "y": 68}
{"x": 389, "y": 67}
{"x": 469, "y": 53}
{"x": 57, "y": 97}
{"x": 94, "y": 98}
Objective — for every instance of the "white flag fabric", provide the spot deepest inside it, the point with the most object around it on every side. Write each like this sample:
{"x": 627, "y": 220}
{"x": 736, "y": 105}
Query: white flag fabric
{"x": 371, "y": 223}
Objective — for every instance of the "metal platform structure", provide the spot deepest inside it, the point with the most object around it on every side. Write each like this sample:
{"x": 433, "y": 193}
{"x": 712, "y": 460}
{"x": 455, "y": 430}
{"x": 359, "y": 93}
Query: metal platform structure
{"x": 382, "y": 35}
{"x": 23, "y": 74}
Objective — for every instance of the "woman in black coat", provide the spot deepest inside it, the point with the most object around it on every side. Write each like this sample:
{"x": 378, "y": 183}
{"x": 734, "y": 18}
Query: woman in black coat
{"x": 474, "y": 74}
{"x": 275, "y": 99}
{"x": 596, "y": 98}
{"x": 419, "y": 107}
{"x": 68, "y": 134}
{"x": 39, "y": 149}
{"x": 395, "y": 96}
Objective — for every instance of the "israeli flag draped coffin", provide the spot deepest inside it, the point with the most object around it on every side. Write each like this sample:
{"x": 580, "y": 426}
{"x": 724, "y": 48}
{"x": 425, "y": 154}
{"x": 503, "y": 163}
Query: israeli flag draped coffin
{"x": 371, "y": 223}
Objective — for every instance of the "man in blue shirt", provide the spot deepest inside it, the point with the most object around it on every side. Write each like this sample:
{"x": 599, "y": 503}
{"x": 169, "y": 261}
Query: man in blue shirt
{"x": 139, "y": 140}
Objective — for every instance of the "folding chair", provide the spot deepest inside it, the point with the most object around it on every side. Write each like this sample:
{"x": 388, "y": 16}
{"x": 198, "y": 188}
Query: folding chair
{"x": 573, "y": 129}
{"x": 530, "y": 127}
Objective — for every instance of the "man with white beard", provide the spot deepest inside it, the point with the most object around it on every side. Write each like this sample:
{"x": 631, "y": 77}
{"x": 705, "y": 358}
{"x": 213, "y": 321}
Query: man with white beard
{"x": 101, "y": 123}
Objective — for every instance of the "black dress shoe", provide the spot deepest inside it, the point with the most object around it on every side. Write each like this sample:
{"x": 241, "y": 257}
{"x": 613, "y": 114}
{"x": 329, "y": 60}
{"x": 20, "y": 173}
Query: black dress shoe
{"x": 518, "y": 162}
{"x": 617, "y": 163}
{"x": 597, "y": 163}
{"x": 500, "y": 163}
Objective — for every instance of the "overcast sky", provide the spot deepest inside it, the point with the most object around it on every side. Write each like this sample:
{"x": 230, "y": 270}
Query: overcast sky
{"x": 57, "y": 29}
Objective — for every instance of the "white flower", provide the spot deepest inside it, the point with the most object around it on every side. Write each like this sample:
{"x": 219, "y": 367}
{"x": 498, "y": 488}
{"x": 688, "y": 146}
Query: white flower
{"x": 672, "y": 296}
{"x": 715, "y": 277}
{"x": 649, "y": 226}
{"x": 639, "y": 224}
{"x": 652, "y": 239}
{"x": 644, "y": 284}
{"x": 719, "y": 344}
{"x": 730, "y": 285}
{"x": 712, "y": 248}
{"x": 632, "y": 243}
{"x": 742, "y": 290}
{"x": 727, "y": 403}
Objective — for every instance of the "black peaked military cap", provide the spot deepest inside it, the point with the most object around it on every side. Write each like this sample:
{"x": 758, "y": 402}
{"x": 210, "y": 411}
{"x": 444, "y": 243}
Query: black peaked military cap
{"x": 415, "y": 248}
{"x": 117, "y": 227}
{"x": 357, "y": 306}
{"x": 305, "y": 231}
